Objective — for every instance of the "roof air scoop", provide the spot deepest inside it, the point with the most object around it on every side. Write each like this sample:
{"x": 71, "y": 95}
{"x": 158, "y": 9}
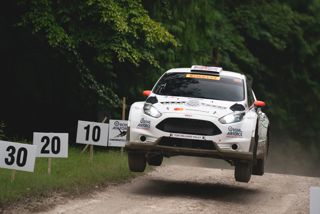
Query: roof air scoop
{"x": 206, "y": 69}
{"x": 237, "y": 107}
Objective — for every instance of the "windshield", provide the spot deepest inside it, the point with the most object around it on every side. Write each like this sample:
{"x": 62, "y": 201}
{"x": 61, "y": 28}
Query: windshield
{"x": 201, "y": 86}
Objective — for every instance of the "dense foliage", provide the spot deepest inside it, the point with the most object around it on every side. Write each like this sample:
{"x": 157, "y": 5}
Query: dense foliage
{"x": 67, "y": 60}
{"x": 275, "y": 42}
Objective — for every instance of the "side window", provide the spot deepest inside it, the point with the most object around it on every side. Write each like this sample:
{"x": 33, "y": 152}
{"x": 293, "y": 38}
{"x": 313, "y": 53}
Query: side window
{"x": 249, "y": 93}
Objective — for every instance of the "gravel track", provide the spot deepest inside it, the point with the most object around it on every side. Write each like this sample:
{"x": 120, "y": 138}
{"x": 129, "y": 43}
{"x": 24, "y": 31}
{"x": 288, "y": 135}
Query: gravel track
{"x": 189, "y": 189}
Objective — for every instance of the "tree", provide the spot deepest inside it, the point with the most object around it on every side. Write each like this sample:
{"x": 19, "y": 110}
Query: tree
{"x": 97, "y": 35}
{"x": 274, "y": 42}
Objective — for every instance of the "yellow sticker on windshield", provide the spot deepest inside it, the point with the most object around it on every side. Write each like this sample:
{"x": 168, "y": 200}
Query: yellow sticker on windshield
{"x": 201, "y": 76}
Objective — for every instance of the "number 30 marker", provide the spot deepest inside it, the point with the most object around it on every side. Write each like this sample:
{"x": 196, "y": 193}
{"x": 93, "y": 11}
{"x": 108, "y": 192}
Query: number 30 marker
{"x": 17, "y": 156}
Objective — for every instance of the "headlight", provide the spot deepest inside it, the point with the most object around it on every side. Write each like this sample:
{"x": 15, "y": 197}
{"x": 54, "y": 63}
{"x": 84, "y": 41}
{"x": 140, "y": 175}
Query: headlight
{"x": 150, "y": 110}
{"x": 232, "y": 118}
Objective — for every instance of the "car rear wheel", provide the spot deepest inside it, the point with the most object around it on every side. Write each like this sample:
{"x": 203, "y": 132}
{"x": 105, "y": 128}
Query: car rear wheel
{"x": 155, "y": 160}
{"x": 242, "y": 172}
{"x": 258, "y": 169}
{"x": 137, "y": 162}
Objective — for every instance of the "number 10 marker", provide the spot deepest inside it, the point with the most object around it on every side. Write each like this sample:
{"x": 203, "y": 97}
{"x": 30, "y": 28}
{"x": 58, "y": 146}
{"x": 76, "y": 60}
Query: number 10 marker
{"x": 92, "y": 133}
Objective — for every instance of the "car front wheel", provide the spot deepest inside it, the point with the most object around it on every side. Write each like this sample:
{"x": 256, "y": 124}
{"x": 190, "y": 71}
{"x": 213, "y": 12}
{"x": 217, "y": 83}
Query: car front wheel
{"x": 242, "y": 172}
{"x": 137, "y": 162}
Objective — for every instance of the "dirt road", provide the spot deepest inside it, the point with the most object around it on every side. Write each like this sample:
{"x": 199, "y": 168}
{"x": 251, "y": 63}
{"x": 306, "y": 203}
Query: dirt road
{"x": 185, "y": 189}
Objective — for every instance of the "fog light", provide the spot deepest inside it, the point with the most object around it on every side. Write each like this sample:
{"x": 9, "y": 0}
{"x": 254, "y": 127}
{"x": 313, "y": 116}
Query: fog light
{"x": 234, "y": 146}
{"x": 143, "y": 138}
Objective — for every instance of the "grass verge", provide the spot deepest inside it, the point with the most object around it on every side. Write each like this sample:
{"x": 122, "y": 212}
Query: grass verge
{"x": 75, "y": 174}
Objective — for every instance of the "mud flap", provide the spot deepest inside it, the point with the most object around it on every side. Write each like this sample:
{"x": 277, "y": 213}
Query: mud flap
{"x": 254, "y": 145}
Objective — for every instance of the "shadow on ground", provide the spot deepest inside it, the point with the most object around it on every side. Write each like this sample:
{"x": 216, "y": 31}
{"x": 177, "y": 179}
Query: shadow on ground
{"x": 211, "y": 191}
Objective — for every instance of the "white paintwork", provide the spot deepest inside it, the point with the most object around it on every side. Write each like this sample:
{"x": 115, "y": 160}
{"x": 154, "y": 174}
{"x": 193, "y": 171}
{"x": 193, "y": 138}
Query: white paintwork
{"x": 207, "y": 109}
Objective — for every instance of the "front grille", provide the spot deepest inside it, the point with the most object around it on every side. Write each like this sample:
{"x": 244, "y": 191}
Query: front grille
{"x": 188, "y": 126}
{"x": 187, "y": 143}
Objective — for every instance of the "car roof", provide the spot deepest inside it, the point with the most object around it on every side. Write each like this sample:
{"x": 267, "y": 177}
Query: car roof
{"x": 222, "y": 73}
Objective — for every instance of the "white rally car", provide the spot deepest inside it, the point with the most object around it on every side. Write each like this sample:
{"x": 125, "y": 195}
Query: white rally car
{"x": 200, "y": 111}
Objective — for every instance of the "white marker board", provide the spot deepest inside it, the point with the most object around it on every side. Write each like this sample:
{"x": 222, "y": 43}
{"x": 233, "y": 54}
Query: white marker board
{"x": 92, "y": 133}
{"x": 314, "y": 200}
{"x": 118, "y": 133}
{"x": 51, "y": 145}
{"x": 17, "y": 156}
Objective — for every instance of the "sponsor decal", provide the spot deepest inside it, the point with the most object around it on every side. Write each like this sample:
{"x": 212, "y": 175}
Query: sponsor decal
{"x": 172, "y": 102}
{"x": 197, "y": 110}
{"x": 214, "y": 106}
{"x": 144, "y": 124}
{"x": 118, "y": 133}
{"x": 121, "y": 127}
{"x": 237, "y": 80}
{"x": 187, "y": 136}
{"x": 234, "y": 132}
{"x": 201, "y": 76}
{"x": 193, "y": 103}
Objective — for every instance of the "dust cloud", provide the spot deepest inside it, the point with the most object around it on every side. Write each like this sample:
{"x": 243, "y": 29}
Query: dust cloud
{"x": 286, "y": 156}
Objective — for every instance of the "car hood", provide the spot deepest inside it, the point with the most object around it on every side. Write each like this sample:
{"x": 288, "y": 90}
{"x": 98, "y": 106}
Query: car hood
{"x": 194, "y": 106}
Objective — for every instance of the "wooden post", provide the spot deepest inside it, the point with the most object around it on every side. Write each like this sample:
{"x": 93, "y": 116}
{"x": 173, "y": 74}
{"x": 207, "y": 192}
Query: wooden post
{"x": 85, "y": 148}
{"x": 123, "y": 108}
{"x": 123, "y": 117}
{"x": 49, "y": 165}
{"x": 13, "y": 175}
{"x": 91, "y": 153}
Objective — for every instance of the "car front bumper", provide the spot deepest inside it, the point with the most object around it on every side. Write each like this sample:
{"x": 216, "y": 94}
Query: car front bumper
{"x": 168, "y": 151}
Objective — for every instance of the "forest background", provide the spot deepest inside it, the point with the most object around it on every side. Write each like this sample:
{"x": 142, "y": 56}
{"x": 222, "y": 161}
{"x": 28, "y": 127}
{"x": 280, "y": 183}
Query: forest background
{"x": 63, "y": 61}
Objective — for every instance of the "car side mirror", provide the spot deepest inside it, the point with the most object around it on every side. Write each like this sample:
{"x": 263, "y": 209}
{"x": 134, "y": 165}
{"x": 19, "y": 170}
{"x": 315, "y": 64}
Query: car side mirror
{"x": 146, "y": 93}
{"x": 259, "y": 104}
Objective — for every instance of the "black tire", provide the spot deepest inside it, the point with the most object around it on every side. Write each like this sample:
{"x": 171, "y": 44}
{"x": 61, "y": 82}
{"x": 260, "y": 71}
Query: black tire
{"x": 258, "y": 169}
{"x": 155, "y": 160}
{"x": 136, "y": 162}
{"x": 242, "y": 172}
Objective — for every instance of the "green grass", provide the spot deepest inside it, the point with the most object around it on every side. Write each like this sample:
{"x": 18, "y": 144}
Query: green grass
{"x": 75, "y": 174}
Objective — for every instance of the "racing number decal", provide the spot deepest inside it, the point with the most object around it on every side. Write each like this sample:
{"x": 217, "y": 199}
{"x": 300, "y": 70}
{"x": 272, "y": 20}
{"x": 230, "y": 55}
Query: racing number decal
{"x": 202, "y": 76}
{"x": 96, "y": 131}
{"x": 20, "y": 158}
{"x": 55, "y": 145}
